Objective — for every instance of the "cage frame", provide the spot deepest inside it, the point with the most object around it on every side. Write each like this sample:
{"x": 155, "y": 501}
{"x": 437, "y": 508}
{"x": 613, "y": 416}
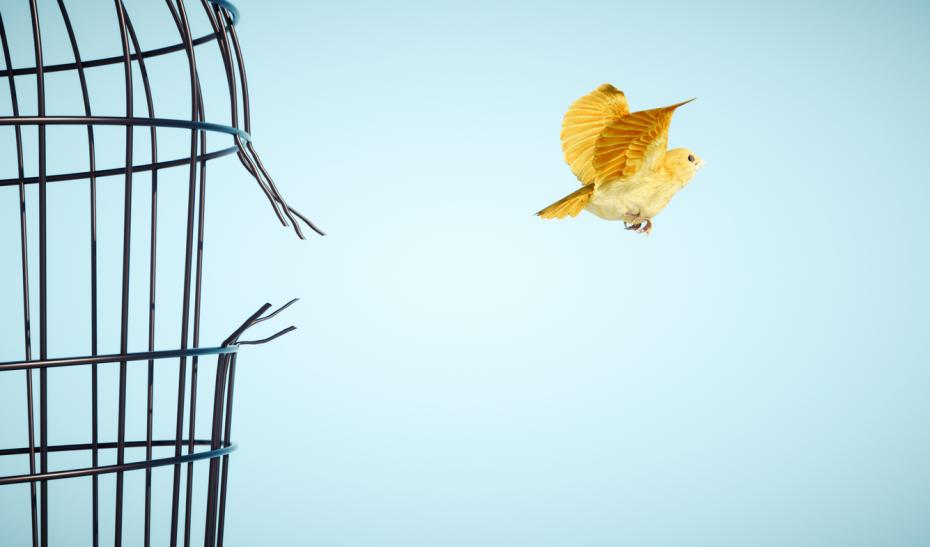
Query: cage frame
{"x": 223, "y": 17}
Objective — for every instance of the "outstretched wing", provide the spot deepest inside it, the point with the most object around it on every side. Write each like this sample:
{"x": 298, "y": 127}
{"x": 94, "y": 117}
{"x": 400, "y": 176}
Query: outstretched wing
{"x": 582, "y": 124}
{"x": 627, "y": 144}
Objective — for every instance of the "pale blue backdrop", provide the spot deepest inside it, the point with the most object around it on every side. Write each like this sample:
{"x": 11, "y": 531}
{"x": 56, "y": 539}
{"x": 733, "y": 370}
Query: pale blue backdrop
{"x": 465, "y": 374}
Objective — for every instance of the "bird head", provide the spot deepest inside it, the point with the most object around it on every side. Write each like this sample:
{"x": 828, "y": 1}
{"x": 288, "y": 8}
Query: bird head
{"x": 682, "y": 164}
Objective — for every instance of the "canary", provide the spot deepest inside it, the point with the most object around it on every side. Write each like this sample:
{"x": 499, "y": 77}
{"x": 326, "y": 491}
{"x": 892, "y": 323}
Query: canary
{"x": 621, "y": 160}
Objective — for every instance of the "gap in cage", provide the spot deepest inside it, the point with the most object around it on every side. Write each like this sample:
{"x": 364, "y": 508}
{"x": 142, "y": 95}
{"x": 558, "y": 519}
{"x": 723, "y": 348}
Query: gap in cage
{"x": 12, "y": 247}
{"x": 26, "y": 98}
{"x": 15, "y": 519}
{"x": 17, "y": 24}
{"x": 106, "y": 89}
{"x": 6, "y": 109}
{"x": 134, "y": 499}
{"x": 11, "y": 306}
{"x": 106, "y": 513}
{"x": 14, "y": 430}
{"x": 68, "y": 244}
{"x": 56, "y": 48}
{"x": 69, "y": 507}
{"x": 63, "y": 97}
{"x": 69, "y": 413}
{"x": 96, "y": 28}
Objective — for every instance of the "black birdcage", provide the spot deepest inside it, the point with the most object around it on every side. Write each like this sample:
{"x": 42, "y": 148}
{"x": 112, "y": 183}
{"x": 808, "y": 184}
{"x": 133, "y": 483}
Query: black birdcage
{"x": 213, "y": 450}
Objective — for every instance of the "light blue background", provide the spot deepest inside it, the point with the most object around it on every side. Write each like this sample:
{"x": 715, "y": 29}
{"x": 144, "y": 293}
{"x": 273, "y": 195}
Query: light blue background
{"x": 753, "y": 373}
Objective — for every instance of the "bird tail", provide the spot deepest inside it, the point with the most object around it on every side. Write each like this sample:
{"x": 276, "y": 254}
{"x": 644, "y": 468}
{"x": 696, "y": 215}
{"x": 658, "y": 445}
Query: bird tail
{"x": 571, "y": 204}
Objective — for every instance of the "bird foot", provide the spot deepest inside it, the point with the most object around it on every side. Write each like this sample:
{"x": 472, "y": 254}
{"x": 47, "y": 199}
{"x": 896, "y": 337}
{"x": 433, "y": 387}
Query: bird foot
{"x": 644, "y": 227}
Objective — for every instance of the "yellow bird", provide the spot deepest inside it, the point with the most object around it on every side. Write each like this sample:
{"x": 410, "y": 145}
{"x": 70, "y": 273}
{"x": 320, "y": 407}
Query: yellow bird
{"x": 621, "y": 160}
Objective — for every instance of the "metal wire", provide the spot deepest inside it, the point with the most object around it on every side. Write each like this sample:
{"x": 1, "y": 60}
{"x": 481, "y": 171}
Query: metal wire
{"x": 148, "y": 463}
{"x": 223, "y": 18}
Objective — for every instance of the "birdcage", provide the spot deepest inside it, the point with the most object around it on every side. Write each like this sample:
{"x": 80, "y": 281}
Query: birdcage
{"x": 209, "y": 449}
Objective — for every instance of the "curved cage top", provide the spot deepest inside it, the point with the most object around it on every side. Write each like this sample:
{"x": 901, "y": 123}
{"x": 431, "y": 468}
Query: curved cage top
{"x": 223, "y": 17}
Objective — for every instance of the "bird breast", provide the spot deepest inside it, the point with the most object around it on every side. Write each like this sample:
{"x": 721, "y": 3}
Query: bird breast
{"x": 633, "y": 199}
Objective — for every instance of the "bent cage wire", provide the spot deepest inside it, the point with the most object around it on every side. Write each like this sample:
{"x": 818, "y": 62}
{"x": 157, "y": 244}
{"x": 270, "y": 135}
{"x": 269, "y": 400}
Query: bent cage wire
{"x": 187, "y": 506}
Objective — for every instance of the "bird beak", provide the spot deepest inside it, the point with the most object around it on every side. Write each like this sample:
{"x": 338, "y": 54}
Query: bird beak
{"x": 699, "y": 164}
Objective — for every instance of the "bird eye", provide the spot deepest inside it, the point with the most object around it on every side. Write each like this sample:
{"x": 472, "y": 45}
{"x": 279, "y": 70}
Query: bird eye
{"x": 691, "y": 158}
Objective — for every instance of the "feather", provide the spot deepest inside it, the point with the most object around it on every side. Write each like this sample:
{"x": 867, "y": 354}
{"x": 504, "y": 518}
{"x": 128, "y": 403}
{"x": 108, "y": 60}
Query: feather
{"x": 582, "y": 124}
{"x": 571, "y": 204}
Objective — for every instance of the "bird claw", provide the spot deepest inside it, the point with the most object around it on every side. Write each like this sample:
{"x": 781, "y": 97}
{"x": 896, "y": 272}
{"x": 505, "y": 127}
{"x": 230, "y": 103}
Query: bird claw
{"x": 644, "y": 227}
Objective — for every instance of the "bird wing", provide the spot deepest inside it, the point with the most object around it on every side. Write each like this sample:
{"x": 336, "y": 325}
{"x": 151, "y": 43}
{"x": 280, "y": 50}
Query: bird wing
{"x": 584, "y": 121}
{"x": 626, "y": 144}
